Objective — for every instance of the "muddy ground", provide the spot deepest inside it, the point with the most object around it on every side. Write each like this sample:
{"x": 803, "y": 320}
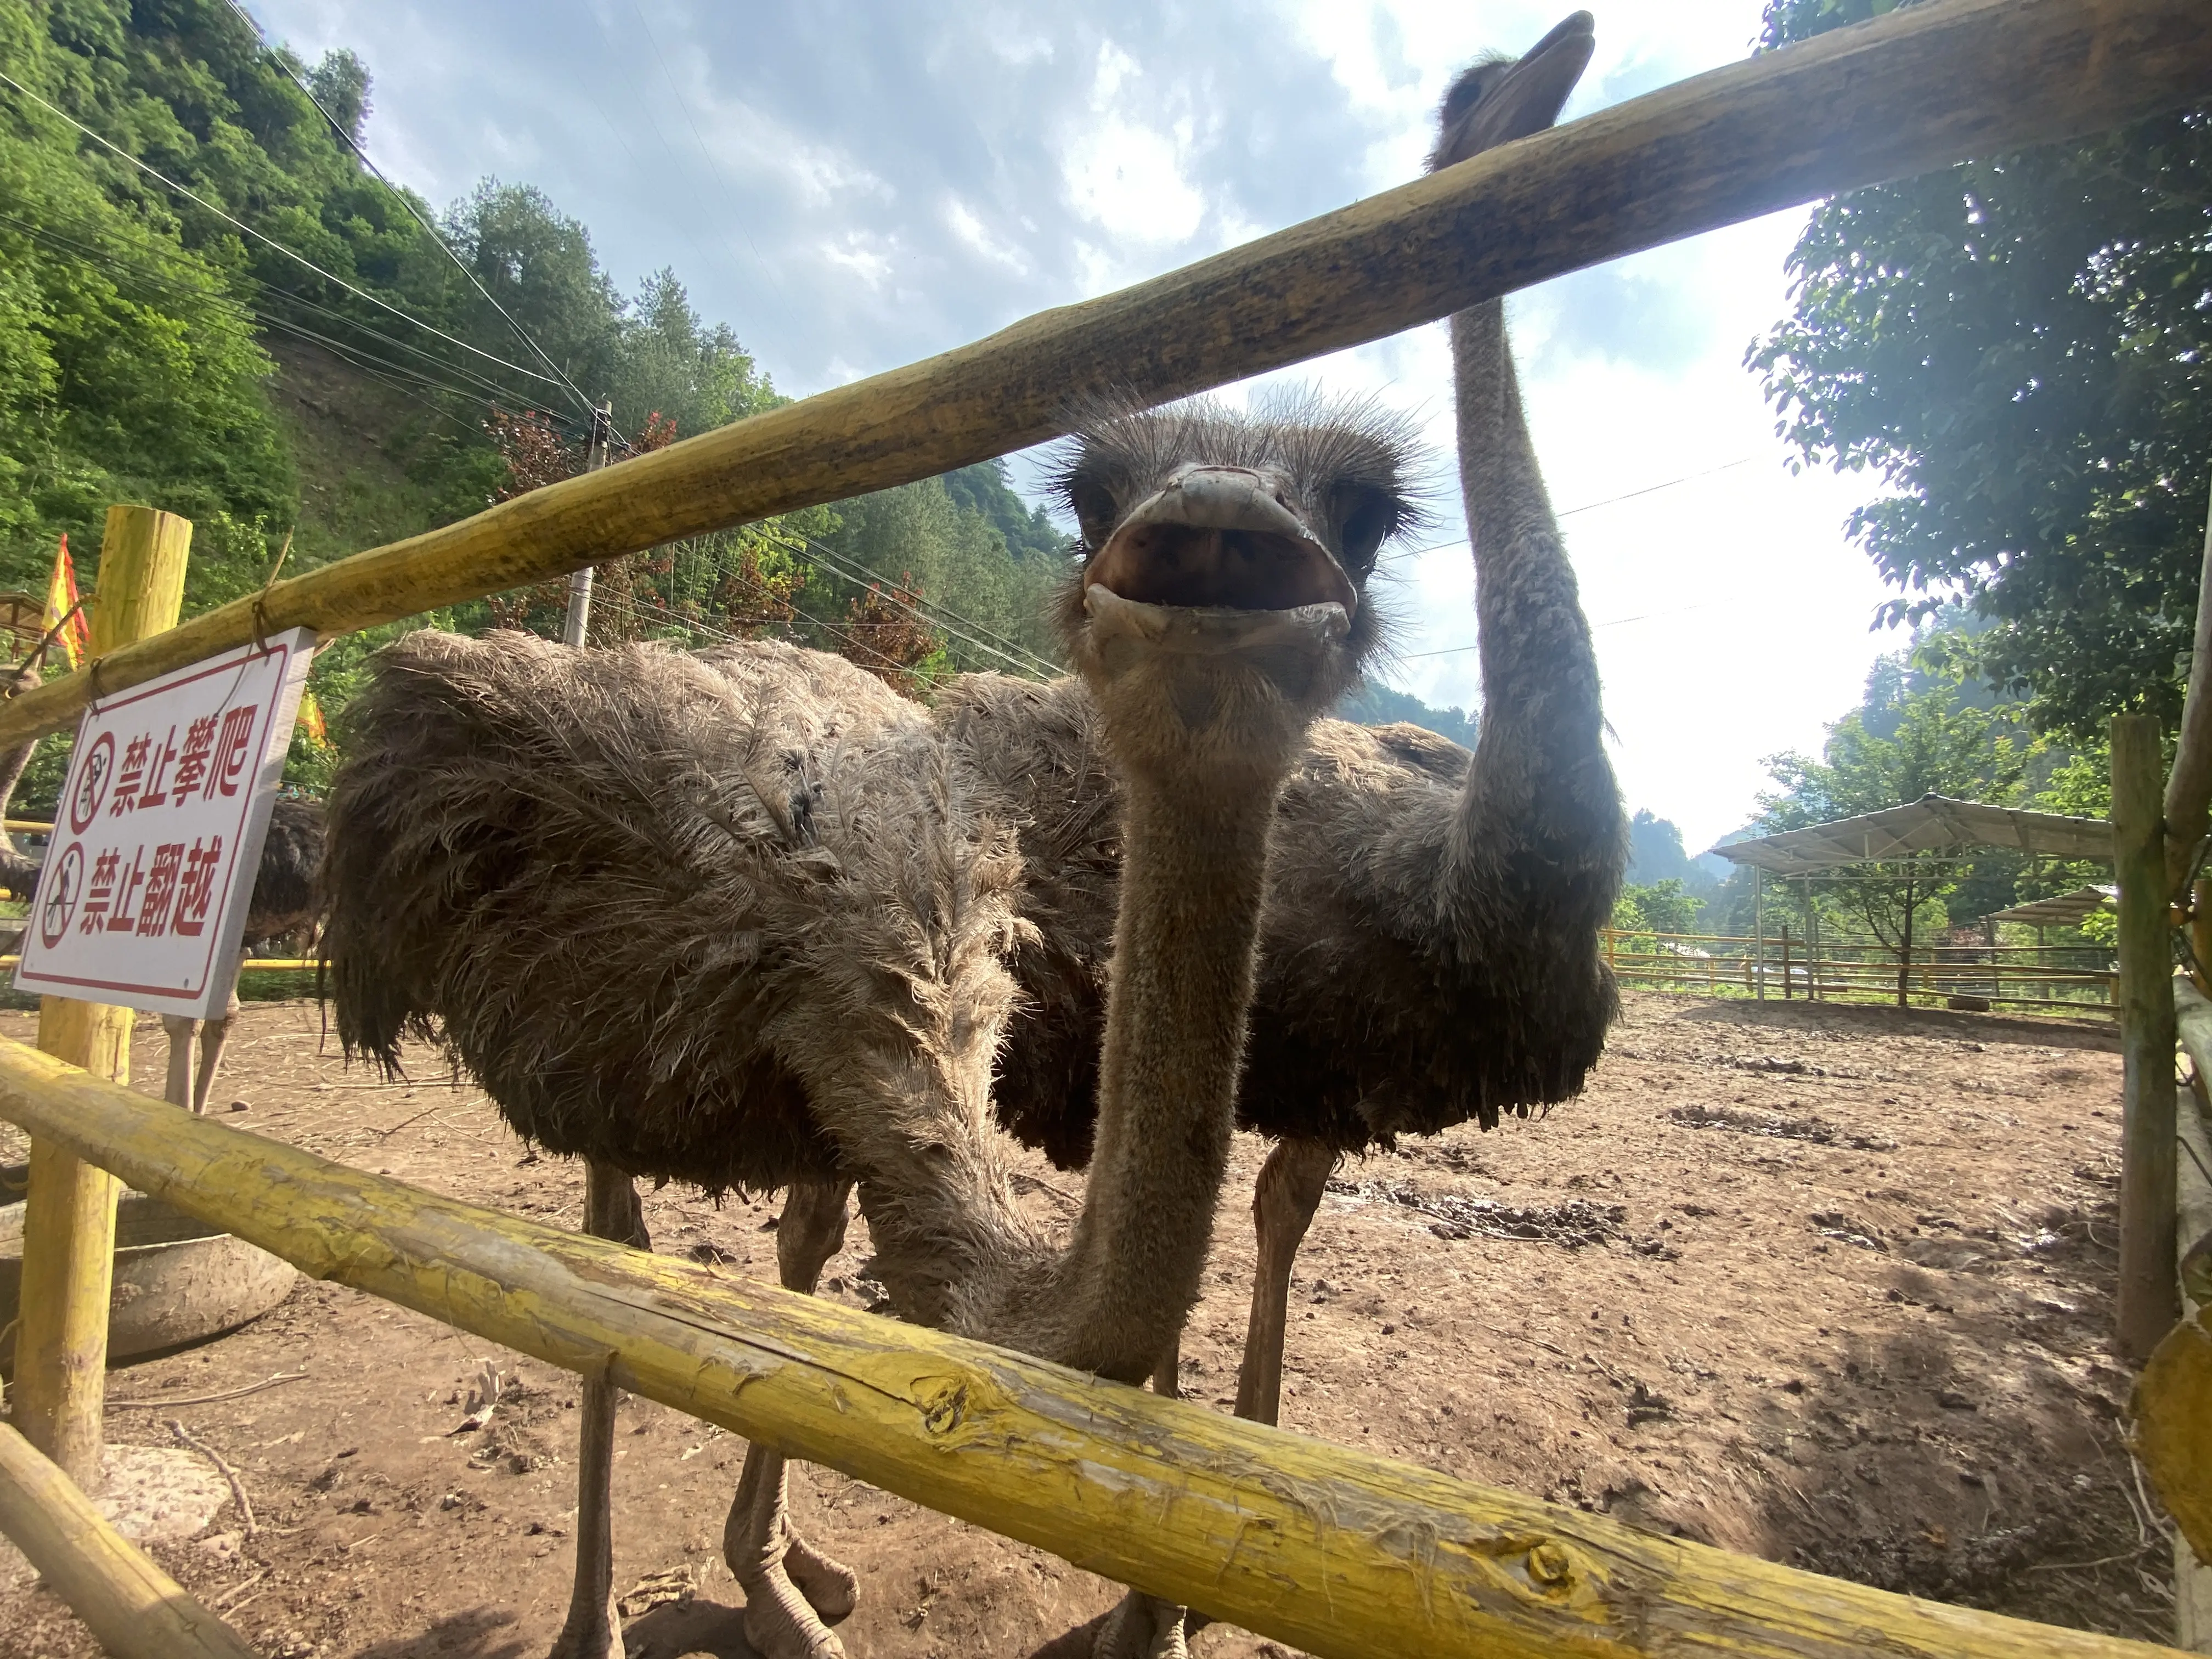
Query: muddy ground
{"x": 1829, "y": 1285}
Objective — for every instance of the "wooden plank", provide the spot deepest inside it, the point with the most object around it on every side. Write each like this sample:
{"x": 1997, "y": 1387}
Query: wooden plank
{"x": 2169, "y": 1439}
{"x": 69, "y": 1214}
{"x": 2188, "y": 790}
{"x": 2145, "y": 996}
{"x": 1920, "y": 87}
{"x": 137, "y": 1610}
{"x": 1336, "y": 1551}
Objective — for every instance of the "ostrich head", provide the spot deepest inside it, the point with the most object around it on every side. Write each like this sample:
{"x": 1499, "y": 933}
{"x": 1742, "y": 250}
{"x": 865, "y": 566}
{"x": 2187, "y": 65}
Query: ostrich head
{"x": 1227, "y": 560}
{"x": 1502, "y": 99}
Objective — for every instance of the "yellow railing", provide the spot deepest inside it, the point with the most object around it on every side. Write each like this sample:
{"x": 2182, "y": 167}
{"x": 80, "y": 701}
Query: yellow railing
{"x": 1339, "y": 1552}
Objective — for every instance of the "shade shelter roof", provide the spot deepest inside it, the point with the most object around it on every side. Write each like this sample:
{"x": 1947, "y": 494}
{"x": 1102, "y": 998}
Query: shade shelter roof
{"x": 2061, "y": 910}
{"x": 1932, "y": 825}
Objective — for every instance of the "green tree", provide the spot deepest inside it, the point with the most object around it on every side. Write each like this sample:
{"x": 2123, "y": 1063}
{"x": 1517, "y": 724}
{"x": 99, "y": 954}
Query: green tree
{"x": 1937, "y": 747}
{"x": 1029, "y": 531}
{"x": 991, "y": 606}
{"x": 340, "y": 86}
{"x": 1371, "y": 703}
{"x": 1661, "y": 907}
{"x": 2017, "y": 347}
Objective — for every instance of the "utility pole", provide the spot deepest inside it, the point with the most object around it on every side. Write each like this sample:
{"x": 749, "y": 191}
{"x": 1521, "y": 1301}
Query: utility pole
{"x": 579, "y": 624}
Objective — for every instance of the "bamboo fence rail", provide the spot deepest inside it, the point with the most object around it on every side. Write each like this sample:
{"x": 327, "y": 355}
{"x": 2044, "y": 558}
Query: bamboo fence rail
{"x": 135, "y": 1609}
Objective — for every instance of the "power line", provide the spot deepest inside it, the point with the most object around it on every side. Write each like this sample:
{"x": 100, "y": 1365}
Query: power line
{"x": 160, "y": 280}
{"x": 1652, "y": 489}
{"x": 289, "y": 254}
{"x": 1610, "y": 500}
{"x": 405, "y": 201}
{"x": 632, "y": 607}
{"x": 1034, "y": 664}
{"x": 1618, "y": 622}
{"x": 865, "y": 577}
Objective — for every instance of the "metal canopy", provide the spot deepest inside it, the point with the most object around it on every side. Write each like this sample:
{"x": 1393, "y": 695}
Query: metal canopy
{"x": 1934, "y": 823}
{"x": 2060, "y": 910}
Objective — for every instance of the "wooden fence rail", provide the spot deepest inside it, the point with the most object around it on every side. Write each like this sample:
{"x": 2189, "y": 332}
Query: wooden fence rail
{"x": 1339, "y": 1552}
{"x": 1778, "y": 967}
{"x": 1918, "y": 88}
{"x": 135, "y": 1609}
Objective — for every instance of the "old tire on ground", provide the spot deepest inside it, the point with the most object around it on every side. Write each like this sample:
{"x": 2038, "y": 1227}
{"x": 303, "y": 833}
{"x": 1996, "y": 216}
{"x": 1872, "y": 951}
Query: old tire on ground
{"x": 177, "y": 1280}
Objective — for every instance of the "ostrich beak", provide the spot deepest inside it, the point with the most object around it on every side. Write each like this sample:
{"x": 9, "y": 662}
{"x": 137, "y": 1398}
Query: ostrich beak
{"x": 1219, "y": 539}
{"x": 1528, "y": 96}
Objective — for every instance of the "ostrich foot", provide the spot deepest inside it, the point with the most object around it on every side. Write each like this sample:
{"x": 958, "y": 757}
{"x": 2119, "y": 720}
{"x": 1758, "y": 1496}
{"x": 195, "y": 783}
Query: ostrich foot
{"x": 829, "y": 1586}
{"x": 779, "y": 1622}
{"x": 1142, "y": 1627}
{"x": 589, "y": 1634}
{"x": 793, "y": 1593}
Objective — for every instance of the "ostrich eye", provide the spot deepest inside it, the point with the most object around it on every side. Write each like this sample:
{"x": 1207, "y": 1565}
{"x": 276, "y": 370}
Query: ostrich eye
{"x": 1094, "y": 511}
{"x": 1369, "y": 520}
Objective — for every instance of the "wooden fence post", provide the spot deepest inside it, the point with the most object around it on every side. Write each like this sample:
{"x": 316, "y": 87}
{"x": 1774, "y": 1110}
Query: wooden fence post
{"x": 2149, "y": 1304}
{"x": 1759, "y": 931}
{"x": 69, "y": 1214}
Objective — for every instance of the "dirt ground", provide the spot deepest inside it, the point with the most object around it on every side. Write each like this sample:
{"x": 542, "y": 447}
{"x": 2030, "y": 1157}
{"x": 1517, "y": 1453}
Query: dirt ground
{"x": 1829, "y": 1285}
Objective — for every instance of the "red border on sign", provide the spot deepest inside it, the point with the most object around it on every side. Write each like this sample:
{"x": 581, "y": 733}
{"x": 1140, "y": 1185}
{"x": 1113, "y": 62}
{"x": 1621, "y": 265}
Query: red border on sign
{"x": 245, "y": 807}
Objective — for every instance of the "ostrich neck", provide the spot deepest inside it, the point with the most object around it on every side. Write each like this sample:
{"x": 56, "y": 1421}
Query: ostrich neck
{"x": 1194, "y": 870}
{"x": 1540, "y": 786}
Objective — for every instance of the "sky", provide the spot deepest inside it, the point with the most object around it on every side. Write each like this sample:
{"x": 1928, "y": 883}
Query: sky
{"x": 853, "y": 186}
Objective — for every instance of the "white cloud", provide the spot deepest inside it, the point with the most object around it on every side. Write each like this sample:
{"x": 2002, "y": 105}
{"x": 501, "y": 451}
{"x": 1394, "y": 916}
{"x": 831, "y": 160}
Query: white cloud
{"x": 973, "y": 234}
{"x": 871, "y": 183}
{"x": 1128, "y": 181}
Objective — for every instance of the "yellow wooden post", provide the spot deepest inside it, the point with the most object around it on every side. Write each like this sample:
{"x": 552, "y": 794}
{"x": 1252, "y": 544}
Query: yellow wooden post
{"x": 69, "y": 1215}
{"x": 2149, "y": 1301}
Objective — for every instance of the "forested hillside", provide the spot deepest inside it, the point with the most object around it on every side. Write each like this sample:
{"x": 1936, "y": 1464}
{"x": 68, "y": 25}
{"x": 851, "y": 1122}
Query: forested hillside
{"x": 210, "y": 302}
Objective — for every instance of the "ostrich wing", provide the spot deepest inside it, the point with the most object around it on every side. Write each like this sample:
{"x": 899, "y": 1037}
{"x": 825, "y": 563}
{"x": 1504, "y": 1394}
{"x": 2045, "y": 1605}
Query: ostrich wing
{"x": 645, "y": 897}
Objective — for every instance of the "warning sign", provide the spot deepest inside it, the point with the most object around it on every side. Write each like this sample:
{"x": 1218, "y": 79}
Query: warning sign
{"x": 157, "y": 836}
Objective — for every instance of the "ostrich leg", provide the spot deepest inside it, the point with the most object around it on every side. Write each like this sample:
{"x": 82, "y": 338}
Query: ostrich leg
{"x": 793, "y": 1591}
{"x": 214, "y": 1033}
{"x": 1284, "y": 1200}
{"x": 1167, "y": 1375}
{"x": 178, "y": 1091}
{"x": 593, "y": 1629}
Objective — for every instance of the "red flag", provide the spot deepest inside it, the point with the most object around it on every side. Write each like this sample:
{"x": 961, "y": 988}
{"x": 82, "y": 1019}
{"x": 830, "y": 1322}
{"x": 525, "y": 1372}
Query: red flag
{"x": 75, "y": 638}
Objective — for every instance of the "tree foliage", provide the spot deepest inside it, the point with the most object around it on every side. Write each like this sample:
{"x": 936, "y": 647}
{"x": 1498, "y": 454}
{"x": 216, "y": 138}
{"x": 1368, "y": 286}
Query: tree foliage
{"x": 2017, "y": 347}
{"x": 1659, "y": 907}
{"x": 1373, "y": 703}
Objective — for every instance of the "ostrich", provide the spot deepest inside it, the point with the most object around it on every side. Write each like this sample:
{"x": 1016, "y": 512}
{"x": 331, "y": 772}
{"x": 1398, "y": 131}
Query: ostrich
{"x": 1430, "y": 945}
{"x": 510, "y": 809}
{"x": 284, "y": 904}
{"x": 1429, "y": 949}
{"x": 743, "y": 920}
